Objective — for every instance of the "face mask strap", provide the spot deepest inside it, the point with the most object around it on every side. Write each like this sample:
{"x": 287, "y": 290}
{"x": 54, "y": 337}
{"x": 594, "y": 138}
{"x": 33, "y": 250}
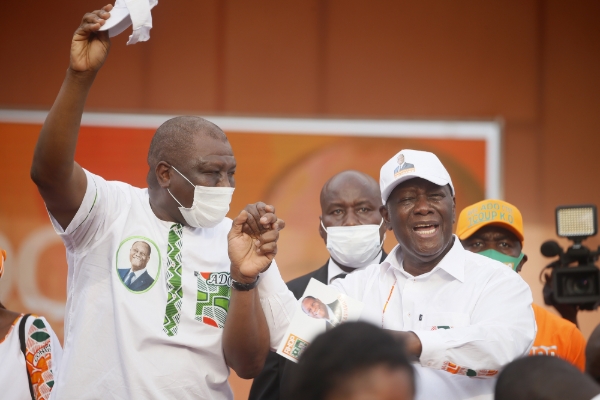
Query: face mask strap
{"x": 180, "y": 205}
{"x": 183, "y": 178}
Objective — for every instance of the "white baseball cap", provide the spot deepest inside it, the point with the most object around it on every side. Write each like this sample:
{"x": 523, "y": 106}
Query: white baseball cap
{"x": 408, "y": 164}
{"x": 128, "y": 12}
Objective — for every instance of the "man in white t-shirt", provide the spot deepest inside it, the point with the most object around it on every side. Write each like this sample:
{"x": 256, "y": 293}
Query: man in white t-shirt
{"x": 168, "y": 340}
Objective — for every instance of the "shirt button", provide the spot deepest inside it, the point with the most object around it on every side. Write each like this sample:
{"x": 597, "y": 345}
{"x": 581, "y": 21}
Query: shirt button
{"x": 429, "y": 363}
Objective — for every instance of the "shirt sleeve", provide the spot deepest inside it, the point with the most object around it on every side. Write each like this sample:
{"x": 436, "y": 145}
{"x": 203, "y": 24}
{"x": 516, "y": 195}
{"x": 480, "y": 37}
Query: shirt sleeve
{"x": 44, "y": 355}
{"x": 278, "y": 303}
{"x": 502, "y": 328}
{"x": 98, "y": 210}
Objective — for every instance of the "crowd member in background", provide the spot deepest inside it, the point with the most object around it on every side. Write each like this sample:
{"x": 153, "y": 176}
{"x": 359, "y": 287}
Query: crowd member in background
{"x": 460, "y": 314}
{"x": 592, "y": 355}
{"x": 353, "y": 361}
{"x": 30, "y": 353}
{"x": 544, "y": 378}
{"x": 494, "y": 228}
{"x": 353, "y": 231}
{"x": 176, "y": 338}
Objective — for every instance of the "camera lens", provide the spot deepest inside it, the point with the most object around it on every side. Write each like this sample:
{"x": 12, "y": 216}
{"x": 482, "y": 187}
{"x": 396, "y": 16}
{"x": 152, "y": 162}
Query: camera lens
{"x": 579, "y": 286}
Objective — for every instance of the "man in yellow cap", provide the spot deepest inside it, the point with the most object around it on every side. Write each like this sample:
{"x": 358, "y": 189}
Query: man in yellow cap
{"x": 494, "y": 228}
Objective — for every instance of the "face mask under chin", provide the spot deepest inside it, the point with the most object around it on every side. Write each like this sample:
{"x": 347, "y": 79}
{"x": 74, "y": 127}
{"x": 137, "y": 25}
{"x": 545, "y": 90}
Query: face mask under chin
{"x": 210, "y": 205}
{"x": 512, "y": 262}
{"x": 354, "y": 246}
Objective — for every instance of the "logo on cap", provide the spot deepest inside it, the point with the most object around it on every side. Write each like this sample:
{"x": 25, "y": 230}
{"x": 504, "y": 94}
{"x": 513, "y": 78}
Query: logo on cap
{"x": 403, "y": 166}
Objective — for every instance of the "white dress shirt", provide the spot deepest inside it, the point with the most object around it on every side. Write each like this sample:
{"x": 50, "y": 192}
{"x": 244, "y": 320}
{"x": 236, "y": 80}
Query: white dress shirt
{"x": 333, "y": 270}
{"x": 472, "y": 314}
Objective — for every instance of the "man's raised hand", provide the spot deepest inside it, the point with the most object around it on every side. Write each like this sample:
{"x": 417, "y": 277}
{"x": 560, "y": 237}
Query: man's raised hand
{"x": 261, "y": 218}
{"x": 89, "y": 47}
{"x": 250, "y": 255}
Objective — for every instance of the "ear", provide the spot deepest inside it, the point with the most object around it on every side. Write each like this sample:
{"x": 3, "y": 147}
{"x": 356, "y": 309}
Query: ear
{"x": 453, "y": 210}
{"x": 386, "y": 217}
{"x": 322, "y": 231}
{"x": 523, "y": 261}
{"x": 163, "y": 176}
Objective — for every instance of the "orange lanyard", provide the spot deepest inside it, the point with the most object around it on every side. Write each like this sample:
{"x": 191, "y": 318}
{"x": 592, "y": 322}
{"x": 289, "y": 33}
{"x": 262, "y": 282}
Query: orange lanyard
{"x": 388, "y": 300}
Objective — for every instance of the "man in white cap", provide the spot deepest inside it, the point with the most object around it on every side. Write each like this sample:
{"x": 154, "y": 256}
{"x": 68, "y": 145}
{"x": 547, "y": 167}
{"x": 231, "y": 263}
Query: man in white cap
{"x": 461, "y": 315}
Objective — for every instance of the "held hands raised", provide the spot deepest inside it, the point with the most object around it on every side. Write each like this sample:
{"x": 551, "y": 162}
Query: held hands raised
{"x": 89, "y": 47}
{"x": 251, "y": 251}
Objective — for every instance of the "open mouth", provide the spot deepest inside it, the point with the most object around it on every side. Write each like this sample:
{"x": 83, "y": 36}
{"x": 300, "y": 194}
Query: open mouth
{"x": 426, "y": 229}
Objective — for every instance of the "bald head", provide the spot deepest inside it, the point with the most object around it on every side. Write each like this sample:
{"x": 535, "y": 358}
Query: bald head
{"x": 172, "y": 141}
{"x": 355, "y": 181}
{"x": 544, "y": 377}
{"x": 348, "y": 199}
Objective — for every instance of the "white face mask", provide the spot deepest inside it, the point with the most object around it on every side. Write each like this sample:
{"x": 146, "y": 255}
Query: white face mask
{"x": 210, "y": 205}
{"x": 354, "y": 246}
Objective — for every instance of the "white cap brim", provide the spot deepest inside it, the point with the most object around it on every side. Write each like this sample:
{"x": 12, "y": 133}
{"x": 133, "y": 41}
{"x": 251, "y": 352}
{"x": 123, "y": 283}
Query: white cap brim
{"x": 431, "y": 178}
{"x": 119, "y": 21}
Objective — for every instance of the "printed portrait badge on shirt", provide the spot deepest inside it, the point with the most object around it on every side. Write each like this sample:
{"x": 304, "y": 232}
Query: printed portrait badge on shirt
{"x": 210, "y": 206}
{"x": 138, "y": 263}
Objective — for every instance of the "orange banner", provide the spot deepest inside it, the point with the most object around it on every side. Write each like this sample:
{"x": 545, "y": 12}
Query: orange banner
{"x": 286, "y": 170}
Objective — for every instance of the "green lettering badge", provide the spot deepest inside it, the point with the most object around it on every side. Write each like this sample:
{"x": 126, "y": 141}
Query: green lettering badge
{"x": 212, "y": 300}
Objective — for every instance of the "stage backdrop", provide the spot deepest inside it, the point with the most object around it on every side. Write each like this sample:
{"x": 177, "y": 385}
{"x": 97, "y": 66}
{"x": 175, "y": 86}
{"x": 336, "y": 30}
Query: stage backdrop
{"x": 283, "y": 162}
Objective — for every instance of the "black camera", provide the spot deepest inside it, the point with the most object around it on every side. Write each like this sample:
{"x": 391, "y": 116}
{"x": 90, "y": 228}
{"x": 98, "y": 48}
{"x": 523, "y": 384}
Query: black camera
{"x": 575, "y": 277}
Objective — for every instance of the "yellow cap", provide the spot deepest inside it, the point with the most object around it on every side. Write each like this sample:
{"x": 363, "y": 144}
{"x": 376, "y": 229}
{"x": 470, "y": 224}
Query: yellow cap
{"x": 489, "y": 212}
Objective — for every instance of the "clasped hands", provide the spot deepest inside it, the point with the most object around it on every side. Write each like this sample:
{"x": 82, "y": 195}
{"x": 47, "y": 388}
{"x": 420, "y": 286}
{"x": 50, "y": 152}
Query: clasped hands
{"x": 252, "y": 241}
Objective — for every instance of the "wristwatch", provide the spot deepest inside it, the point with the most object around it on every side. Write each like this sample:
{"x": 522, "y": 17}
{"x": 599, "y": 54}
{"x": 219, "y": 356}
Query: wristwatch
{"x": 244, "y": 287}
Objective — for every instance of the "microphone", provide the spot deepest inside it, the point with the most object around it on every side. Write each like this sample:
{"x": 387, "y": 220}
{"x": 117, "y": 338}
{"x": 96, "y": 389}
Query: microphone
{"x": 551, "y": 249}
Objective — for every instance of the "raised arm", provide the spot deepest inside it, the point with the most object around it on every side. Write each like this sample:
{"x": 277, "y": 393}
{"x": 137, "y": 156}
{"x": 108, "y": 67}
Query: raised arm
{"x": 246, "y": 333}
{"x": 60, "y": 180}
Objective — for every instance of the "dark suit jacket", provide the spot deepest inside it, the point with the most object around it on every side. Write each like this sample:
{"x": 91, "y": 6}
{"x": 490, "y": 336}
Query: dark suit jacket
{"x": 143, "y": 282}
{"x": 275, "y": 378}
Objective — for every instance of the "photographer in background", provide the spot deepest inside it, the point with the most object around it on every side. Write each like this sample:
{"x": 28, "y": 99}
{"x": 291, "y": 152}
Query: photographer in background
{"x": 494, "y": 228}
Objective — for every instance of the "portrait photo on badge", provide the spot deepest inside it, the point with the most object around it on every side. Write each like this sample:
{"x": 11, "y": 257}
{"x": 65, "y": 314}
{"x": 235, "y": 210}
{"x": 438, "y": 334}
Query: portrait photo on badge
{"x": 138, "y": 263}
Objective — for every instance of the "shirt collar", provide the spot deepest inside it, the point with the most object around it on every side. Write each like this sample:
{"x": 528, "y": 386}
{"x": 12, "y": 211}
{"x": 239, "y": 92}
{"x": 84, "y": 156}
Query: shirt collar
{"x": 453, "y": 262}
{"x": 334, "y": 270}
{"x": 139, "y": 272}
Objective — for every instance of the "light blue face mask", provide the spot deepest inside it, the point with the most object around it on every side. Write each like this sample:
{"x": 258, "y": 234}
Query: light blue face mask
{"x": 512, "y": 262}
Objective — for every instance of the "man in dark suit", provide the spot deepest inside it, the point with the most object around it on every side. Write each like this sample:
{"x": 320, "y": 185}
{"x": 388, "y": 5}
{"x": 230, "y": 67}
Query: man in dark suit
{"x": 137, "y": 277}
{"x": 349, "y": 200}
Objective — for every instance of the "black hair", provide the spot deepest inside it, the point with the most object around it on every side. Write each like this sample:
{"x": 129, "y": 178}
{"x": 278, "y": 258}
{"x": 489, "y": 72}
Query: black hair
{"x": 172, "y": 139}
{"x": 592, "y": 355}
{"x": 335, "y": 355}
{"x": 544, "y": 377}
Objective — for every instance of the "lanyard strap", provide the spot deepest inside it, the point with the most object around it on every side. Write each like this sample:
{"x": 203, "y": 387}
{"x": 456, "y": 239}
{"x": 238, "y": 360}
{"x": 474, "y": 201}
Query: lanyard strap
{"x": 388, "y": 300}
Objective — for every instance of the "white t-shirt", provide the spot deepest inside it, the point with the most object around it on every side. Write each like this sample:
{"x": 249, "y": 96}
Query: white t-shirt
{"x": 472, "y": 314}
{"x": 118, "y": 342}
{"x": 43, "y": 354}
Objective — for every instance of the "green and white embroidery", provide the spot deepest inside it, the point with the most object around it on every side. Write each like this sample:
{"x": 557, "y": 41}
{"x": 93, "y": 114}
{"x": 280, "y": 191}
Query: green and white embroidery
{"x": 174, "y": 289}
{"x": 212, "y": 301}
